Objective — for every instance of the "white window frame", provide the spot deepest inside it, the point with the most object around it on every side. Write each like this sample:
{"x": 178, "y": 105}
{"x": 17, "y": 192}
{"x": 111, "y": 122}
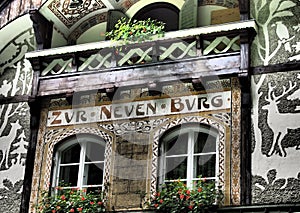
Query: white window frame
{"x": 82, "y": 140}
{"x": 190, "y": 130}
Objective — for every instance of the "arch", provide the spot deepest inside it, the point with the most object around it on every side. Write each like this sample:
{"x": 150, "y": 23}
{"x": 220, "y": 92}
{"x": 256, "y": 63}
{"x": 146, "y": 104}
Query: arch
{"x": 141, "y": 4}
{"x": 161, "y": 11}
{"x": 51, "y": 142}
{"x": 161, "y": 130}
{"x": 80, "y": 149}
{"x": 190, "y": 140}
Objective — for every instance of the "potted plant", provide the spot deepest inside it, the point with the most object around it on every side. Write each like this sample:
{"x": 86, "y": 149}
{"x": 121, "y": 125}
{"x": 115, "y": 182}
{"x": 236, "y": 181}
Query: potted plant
{"x": 129, "y": 31}
{"x": 71, "y": 200}
{"x": 177, "y": 197}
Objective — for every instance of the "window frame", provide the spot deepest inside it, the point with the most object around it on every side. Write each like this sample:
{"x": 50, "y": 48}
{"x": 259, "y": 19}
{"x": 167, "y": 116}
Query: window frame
{"x": 190, "y": 129}
{"x": 82, "y": 140}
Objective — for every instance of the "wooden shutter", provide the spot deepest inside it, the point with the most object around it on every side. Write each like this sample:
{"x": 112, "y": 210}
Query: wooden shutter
{"x": 188, "y": 14}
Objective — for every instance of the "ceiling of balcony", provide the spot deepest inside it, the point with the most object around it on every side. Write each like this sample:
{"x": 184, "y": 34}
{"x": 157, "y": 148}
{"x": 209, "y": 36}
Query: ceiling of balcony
{"x": 85, "y": 21}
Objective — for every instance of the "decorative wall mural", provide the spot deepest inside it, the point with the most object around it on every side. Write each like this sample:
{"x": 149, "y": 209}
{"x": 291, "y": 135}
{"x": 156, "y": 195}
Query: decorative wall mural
{"x": 278, "y": 33}
{"x": 15, "y": 79}
{"x": 276, "y": 136}
{"x": 70, "y": 11}
{"x": 275, "y": 190}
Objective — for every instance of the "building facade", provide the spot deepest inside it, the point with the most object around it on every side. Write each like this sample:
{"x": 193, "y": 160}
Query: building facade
{"x": 217, "y": 97}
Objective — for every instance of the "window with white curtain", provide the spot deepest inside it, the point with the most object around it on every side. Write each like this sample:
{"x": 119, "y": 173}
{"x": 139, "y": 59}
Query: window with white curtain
{"x": 80, "y": 163}
{"x": 188, "y": 152}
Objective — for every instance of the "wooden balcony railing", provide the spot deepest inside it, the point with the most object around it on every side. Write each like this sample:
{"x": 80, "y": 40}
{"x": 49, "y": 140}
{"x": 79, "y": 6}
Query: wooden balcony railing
{"x": 107, "y": 55}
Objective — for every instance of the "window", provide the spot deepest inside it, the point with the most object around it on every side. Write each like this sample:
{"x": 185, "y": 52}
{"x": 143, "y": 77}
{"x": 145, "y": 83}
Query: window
{"x": 188, "y": 152}
{"x": 80, "y": 163}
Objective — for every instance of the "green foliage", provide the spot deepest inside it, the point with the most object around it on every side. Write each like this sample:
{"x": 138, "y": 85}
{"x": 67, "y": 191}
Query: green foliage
{"x": 177, "y": 197}
{"x": 71, "y": 200}
{"x": 135, "y": 31}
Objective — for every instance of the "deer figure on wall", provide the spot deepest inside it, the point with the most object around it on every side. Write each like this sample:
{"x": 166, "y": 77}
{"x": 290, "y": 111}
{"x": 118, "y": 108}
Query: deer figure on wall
{"x": 277, "y": 121}
{"x": 6, "y": 141}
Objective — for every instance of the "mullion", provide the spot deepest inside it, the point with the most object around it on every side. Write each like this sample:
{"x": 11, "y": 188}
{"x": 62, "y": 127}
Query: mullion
{"x": 81, "y": 166}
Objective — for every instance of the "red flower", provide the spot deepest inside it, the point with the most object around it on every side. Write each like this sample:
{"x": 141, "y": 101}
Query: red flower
{"x": 53, "y": 211}
{"x": 58, "y": 207}
{"x": 144, "y": 30}
{"x": 130, "y": 33}
{"x": 155, "y": 205}
{"x": 200, "y": 189}
{"x": 63, "y": 197}
{"x": 181, "y": 197}
{"x": 100, "y": 203}
{"x": 204, "y": 179}
{"x": 79, "y": 209}
{"x": 157, "y": 194}
{"x": 72, "y": 210}
{"x": 187, "y": 197}
{"x": 188, "y": 192}
{"x": 82, "y": 198}
{"x": 161, "y": 201}
{"x": 191, "y": 207}
{"x": 92, "y": 203}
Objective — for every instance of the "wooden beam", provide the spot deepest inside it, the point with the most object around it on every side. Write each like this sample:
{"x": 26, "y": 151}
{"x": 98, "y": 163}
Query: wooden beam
{"x": 290, "y": 66}
{"x": 42, "y": 29}
{"x": 29, "y": 167}
{"x": 141, "y": 75}
{"x": 14, "y": 99}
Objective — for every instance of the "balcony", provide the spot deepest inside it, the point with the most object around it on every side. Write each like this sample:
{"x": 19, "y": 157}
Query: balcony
{"x": 185, "y": 54}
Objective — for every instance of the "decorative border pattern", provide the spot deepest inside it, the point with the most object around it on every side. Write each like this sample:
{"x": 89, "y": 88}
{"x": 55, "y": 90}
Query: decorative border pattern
{"x": 189, "y": 119}
{"x": 85, "y": 26}
{"x": 137, "y": 126}
{"x": 52, "y": 137}
{"x": 235, "y": 141}
{"x": 70, "y": 16}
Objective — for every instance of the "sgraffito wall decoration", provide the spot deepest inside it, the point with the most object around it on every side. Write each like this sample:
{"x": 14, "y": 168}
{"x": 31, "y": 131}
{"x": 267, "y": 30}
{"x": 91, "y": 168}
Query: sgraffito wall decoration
{"x": 276, "y": 136}
{"x": 275, "y": 100}
{"x": 278, "y": 38}
{"x": 15, "y": 79}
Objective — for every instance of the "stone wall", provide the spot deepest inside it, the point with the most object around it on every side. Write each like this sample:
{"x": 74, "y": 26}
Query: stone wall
{"x": 130, "y": 170}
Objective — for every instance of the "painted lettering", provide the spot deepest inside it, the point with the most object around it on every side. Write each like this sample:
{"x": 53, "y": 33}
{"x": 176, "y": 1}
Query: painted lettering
{"x": 188, "y": 104}
{"x": 106, "y": 112}
{"x": 56, "y": 120}
{"x": 139, "y": 109}
{"x": 152, "y": 108}
{"x": 168, "y": 106}
{"x": 217, "y": 101}
{"x": 80, "y": 116}
{"x": 176, "y": 105}
{"x": 68, "y": 119}
{"x": 128, "y": 111}
{"x": 202, "y": 101}
{"x": 117, "y": 113}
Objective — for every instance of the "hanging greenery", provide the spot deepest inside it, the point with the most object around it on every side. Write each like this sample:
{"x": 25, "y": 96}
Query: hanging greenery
{"x": 177, "y": 197}
{"x": 130, "y": 31}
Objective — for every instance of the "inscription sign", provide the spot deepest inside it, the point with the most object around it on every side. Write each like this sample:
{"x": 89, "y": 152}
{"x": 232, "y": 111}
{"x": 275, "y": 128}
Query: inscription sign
{"x": 139, "y": 109}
